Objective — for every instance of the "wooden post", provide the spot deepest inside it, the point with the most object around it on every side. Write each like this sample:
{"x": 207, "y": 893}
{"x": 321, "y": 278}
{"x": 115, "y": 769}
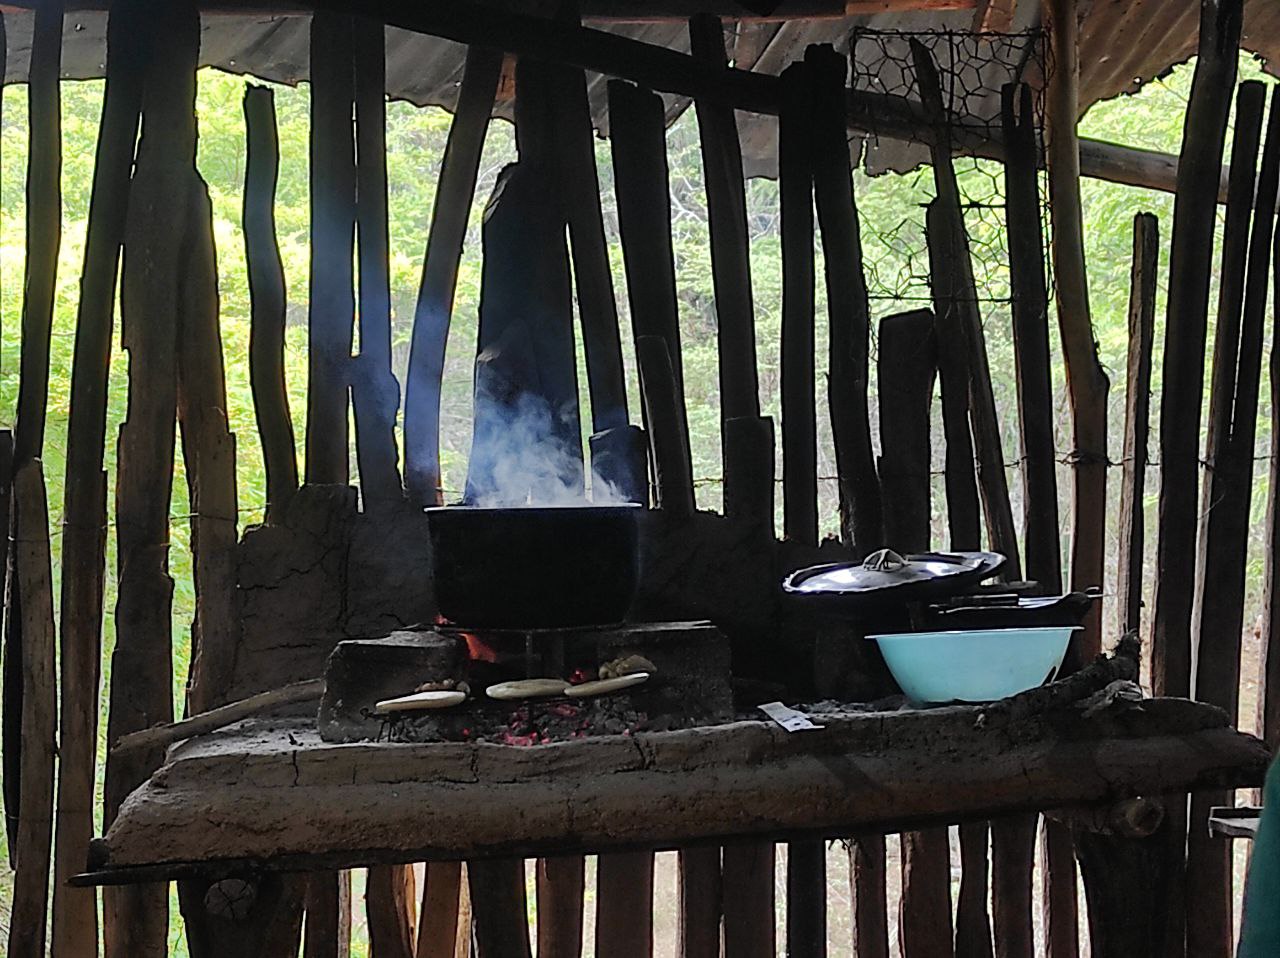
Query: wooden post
{"x": 136, "y": 917}
{"x": 501, "y": 924}
{"x": 1219, "y": 619}
{"x": 624, "y": 904}
{"x": 454, "y": 193}
{"x": 333, "y": 214}
{"x": 868, "y": 880}
{"x": 75, "y": 910}
{"x": 748, "y": 899}
{"x": 328, "y": 910}
{"x": 1137, "y": 417}
{"x": 33, "y": 580}
{"x": 575, "y": 165}
{"x": 638, "y": 141}
{"x": 375, "y": 394}
{"x": 668, "y": 440}
{"x": 727, "y": 222}
{"x": 267, "y": 295}
{"x": 847, "y": 305}
{"x": 700, "y": 902}
{"x": 390, "y": 898}
{"x": 908, "y": 365}
{"x": 1269, "y": 653}
{"x": 560, "y": 883}
{"x": 43, "y": 238}
{"x": 438, "y": 917}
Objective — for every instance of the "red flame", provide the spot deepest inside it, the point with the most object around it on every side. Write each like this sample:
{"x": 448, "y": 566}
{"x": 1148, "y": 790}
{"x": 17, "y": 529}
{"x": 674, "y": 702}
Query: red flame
{"x": 477, "y": 650}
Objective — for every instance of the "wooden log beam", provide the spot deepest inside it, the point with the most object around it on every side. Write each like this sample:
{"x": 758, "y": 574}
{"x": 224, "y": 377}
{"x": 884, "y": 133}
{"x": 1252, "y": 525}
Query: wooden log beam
{"x": 33, "y": 580}
{"x": 267, "y": 301}
{"x": 1137, "y": 417}
{"x": 136, "y": 919}
{"x": 332, "y": 298}
{"x": 454, "y": 192}
{"x": 75, "y": 914}
{"x": 314, "y": 803}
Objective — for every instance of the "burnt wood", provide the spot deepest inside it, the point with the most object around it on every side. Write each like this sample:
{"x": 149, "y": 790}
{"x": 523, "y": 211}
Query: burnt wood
{"x": 454, "y": 192}
{"x": 1137, "y": 417}
{"x": 375, "y": 393}
{"x": 560, "y": 883}
{"x": 33, "y": 580}
{"x": 500, "y": 928}
{"x": 1219, "y": 619}
{"x": 267, "y": 300}
{"x": 75, "y": 914}
{"x": 848, "y": 308}
{"x": 136, "y": 919}
{"x": 333, "y": 215}
{"x": 624, "y": 904}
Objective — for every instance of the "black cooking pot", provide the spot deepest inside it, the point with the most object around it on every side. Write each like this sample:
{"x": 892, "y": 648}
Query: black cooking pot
{"x": 539, "y": 567}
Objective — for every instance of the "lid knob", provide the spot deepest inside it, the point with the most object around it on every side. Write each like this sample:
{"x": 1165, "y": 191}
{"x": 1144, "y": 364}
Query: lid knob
{"x": 884, "y": 560}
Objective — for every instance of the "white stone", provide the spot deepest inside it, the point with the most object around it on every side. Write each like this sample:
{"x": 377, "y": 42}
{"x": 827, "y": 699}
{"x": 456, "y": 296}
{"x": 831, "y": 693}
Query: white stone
{"x": 526, "y": 689}
{"x": 605, "y": 686}
{"x": 420, "y": 701}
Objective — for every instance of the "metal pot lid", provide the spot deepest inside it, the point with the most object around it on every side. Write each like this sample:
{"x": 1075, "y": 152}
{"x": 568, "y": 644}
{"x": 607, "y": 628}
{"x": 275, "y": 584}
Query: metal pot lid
{"x": 937, "y": 573}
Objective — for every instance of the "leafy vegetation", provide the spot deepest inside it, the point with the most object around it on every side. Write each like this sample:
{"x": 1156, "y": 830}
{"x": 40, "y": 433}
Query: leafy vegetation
{"x": 891, "y": 209}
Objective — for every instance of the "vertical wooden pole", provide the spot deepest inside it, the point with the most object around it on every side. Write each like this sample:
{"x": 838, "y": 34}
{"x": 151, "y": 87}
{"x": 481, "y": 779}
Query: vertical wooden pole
{"x": 847, "y": 304}
{"x": 1186, "y": 321}
{"x": 390, "y": 899}
{"x": 75, "y": 910}
{"x": 33, "y": 579}
{"x": 1219, "y": 620}
{"x": 668, "y": 440}
{"x": 1137, "y": 416}
{"x": 136, "y": 918}
{"x": 375, "y": 393}
{"x": 43, "y": 238}
{"x": 267, "y": 300}
{"x": 560, "y": 884}
{"x": 624, "y": 904}
{"x": 328, "y": 910}
{"x": 498, "y": 908}
{"x": 701, "y": 903}
{"x": 438, "y": 917}
{"x": 333, "y": 214}
{"x": 1269, "y": 653}
{"x": 748, "y": 899}
{"x": 454, "y": 193}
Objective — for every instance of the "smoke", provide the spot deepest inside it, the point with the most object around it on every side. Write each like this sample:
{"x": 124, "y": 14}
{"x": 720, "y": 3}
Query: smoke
{"x": 524, "y": 452}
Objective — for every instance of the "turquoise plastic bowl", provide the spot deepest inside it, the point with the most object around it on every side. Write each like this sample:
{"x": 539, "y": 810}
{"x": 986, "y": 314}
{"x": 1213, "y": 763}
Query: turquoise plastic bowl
{"x": 977, "y": 665}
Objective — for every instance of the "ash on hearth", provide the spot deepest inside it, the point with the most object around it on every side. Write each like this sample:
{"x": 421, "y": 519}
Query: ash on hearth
{"x": 531, "y": 723}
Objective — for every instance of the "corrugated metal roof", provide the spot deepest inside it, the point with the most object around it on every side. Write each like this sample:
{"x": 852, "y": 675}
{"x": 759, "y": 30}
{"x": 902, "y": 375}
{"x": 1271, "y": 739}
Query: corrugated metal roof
{"x": 1123, "y": 43}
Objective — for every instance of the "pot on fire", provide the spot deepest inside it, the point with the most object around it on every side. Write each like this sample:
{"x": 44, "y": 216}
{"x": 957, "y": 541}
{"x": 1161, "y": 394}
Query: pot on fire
{"x": 534, "y": 567}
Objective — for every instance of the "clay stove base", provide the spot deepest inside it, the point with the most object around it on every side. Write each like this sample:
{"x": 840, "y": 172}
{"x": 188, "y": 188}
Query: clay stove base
{"x": 690, "y": 687}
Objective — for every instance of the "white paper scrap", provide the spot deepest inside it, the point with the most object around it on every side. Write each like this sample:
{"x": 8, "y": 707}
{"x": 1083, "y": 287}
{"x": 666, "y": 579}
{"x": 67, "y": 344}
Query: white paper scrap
{"x": 788, "y": 718}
